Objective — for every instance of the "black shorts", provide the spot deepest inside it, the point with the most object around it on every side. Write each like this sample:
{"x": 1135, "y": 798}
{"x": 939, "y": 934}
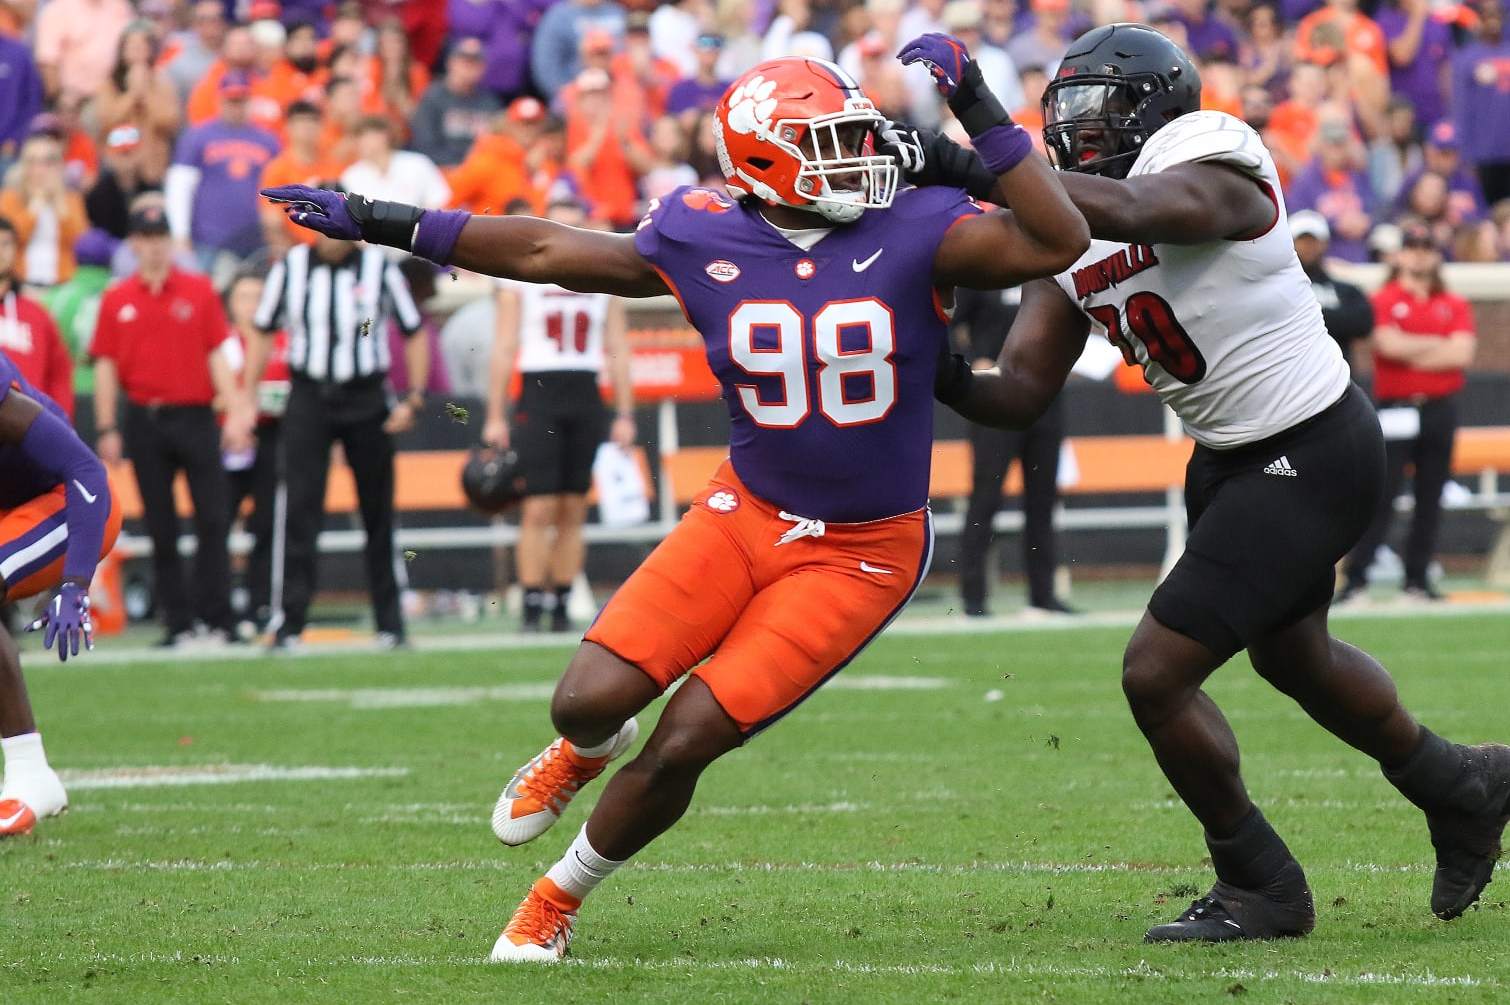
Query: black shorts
{"x": 559, "y": 421}
{"x": 1268, "y": 523}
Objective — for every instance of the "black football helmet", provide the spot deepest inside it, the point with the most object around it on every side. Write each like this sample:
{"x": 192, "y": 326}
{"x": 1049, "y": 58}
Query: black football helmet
{"x": 1117, "y": 86}
{"x": 492, "y": 480}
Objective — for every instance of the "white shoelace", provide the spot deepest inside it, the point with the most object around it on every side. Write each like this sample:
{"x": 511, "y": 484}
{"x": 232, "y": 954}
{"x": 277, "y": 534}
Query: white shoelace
{"x": 804, "y": 527}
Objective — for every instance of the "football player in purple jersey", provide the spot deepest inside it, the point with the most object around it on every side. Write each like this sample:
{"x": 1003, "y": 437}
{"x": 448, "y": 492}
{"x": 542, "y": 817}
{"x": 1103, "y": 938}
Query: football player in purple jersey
{"x": 818, "y": 289}
{"x": 58, "y": 518}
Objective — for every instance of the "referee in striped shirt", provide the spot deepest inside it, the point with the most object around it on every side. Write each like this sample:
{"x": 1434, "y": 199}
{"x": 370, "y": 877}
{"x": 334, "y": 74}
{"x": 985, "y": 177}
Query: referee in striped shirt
{"x": 335, "y": 299}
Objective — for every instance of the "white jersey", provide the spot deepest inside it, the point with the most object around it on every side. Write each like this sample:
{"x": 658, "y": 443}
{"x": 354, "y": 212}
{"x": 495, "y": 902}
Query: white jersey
{"x": 1229, "y": 333}
{"x": 559, "y": 329}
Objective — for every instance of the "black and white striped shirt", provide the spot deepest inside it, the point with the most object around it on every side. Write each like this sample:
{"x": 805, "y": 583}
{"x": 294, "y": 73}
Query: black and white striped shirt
{"x": 336, "y": 314}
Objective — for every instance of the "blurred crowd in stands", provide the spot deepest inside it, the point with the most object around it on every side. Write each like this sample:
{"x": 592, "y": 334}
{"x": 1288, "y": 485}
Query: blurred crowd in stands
{"x": 1379, "y": 116}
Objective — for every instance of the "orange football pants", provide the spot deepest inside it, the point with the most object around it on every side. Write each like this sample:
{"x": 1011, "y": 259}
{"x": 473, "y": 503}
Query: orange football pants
{"x": 34, "y": 538}
{"x": 775, "y": 604}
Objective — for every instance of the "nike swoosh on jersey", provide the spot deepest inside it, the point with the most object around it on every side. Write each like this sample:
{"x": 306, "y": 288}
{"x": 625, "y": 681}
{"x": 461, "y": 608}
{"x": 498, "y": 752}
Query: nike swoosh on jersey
{"x": 89, "y": 497}
{"x": 860, "y": 266}
{"x": 867, "y": 567}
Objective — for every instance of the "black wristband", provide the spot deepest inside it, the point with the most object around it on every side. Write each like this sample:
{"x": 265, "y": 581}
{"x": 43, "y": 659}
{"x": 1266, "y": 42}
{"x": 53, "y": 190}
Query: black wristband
{"x": 951, "y": 384}
{"x": 387, "y": 223}
{"x": 973, "y": 103}
{"x": 951, "y": 164}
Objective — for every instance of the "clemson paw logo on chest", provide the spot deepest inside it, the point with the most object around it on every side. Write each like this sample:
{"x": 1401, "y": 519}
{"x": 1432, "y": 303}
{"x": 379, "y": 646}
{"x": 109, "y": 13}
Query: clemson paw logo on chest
{"x": 751, "y": 106}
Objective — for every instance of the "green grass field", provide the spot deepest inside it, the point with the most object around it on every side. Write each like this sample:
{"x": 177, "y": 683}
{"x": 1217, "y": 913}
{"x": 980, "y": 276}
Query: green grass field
{"x": 905, "y": 838}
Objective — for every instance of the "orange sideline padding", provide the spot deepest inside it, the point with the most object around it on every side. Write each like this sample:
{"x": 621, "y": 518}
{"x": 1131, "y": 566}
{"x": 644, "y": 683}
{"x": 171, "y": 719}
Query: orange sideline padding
{"x": 431, "y": 480}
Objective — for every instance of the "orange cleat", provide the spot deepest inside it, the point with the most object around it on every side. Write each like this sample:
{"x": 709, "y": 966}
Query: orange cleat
{"x": 541, "y": 929}
{"x": 16, "y": 818}
{"x": 539, "y": 792}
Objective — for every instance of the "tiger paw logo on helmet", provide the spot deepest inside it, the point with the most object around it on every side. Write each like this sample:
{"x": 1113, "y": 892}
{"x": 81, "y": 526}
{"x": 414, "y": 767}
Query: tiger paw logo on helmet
{"x": 800, "y": 132}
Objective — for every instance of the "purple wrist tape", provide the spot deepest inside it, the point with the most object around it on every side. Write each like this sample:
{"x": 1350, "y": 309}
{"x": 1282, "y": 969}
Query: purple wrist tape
{"x": 1003, "y": 147}
{"x": 435, "y": 237}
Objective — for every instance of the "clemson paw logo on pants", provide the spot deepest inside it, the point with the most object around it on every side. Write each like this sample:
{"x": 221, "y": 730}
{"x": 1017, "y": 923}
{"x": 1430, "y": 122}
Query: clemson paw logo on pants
{"x": 723, "y": 502}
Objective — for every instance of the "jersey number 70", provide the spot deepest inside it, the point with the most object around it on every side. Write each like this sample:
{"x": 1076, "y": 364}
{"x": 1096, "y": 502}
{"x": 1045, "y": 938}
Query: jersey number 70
{"x": 856, "y": 384}
{"x": 1148, "y": 318}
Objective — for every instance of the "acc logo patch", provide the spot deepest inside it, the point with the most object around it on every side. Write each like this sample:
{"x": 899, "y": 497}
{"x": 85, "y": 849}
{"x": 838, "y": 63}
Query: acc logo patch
{"x": 805, "y": 268}
{"x": 723, "y": 502}
{"x": 722, "y": 271}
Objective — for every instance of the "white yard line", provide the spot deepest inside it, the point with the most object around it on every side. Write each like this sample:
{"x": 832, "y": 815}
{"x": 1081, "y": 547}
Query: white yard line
{"x": 152, "y": 777}
{"x": 367, "y": 698}
{"x": 774, "y": 964}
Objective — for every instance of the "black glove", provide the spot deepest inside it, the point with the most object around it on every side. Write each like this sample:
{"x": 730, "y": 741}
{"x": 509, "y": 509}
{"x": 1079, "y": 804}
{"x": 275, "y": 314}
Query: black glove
{"x": 951, "y": 384}
{"x": 931, "y": 158}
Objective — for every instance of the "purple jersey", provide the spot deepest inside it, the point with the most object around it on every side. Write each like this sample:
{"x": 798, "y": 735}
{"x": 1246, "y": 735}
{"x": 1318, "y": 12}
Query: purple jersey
{"x": 20, "y": 481}
{"x": 826, "y": 356}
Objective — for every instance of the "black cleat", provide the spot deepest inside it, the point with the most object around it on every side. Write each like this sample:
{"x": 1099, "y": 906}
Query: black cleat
{"x": 1468, "y": 841}
{"x": 1227, "y": 914}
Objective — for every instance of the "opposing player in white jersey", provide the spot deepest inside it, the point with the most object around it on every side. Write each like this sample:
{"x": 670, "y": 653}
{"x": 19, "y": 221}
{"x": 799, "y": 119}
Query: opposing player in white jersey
{"x": 559, "y": 342}
{"x": 1191, "y": 273}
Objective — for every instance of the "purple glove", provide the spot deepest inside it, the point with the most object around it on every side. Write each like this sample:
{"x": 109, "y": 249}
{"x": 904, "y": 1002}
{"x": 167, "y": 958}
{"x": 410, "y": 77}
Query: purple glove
{"x": 318, "y": 209}
{"x": 66, "y": 619}
{"x": 944, "y": 55}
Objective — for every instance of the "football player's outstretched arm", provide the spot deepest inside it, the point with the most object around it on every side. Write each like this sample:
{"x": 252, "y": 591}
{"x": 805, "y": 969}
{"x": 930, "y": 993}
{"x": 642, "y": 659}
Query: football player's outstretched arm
{"x": 510, "y": 247}
{"x": 1042, "y": 237}
{"x": 1190, "y": 203}
{"x": 1046, "y": 234}
{"x": 1047, "y": 336}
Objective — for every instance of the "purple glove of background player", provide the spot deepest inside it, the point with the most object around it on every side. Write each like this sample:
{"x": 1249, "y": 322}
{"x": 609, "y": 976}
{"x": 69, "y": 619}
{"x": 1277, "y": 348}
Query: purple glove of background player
{"x": 944, "y": 55}
{"x": 66, "y": 619}
{"x": 318, "y": 209}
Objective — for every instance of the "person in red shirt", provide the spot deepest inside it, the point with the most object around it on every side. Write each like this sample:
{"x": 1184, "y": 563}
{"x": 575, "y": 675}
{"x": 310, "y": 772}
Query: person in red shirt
{"x": 1423, "y": 340}
{"x": 155, "y": 342}
{"x": 27, "y": 332}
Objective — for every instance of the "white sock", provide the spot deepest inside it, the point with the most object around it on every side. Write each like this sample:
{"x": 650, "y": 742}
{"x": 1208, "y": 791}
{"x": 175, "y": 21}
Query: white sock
{"x": 24, "y": 759}
{"x": 581, "y": 869}
{"x": 601, "y": 749}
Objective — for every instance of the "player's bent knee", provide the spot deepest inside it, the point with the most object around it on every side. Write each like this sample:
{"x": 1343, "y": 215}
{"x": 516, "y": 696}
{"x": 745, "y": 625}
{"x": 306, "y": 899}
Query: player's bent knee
{"x": 597, "y": 693}
{"x": 1148, "y": 685}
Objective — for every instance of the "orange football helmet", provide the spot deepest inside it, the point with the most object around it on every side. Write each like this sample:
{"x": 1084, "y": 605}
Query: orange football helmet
{"x": 799, "y": 132}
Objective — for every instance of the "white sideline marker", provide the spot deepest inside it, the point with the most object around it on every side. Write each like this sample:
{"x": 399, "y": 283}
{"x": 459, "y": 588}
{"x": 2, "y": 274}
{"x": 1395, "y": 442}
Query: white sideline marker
{"x": 367, "y": 698}
{"x": 166, "y": 776}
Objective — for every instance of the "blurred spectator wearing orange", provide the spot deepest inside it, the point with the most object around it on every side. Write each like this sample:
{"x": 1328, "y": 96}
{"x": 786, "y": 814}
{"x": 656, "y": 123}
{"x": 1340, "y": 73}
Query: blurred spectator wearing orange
{"x": 396, "y": 78}
{"x": 1292, "y": 124}
{"x": 138, "y": 94}
{"x": 302, "y": 162}
{"x": 27, "y": 332}
{"x": 507, "y": 163}
{"x": 638, "y": 64}
{"x": 1338, "y": 31}
{"x": 605, "y": 153}
{"x": 238, "y": 57}
{"x": 295, "y": 74}
{"x": 343, "y": 113}
{"x": 454, "y": 110}
{"x": 47, "y": 216}
{"x": 76, "y": 43}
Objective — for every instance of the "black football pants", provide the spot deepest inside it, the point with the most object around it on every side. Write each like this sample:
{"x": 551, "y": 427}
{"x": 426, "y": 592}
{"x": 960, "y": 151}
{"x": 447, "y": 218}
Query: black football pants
{"x": 992, "y": 452}
{"x": 162, "y": 441}
{"x": 319, "y": 415}
{"x": 1431, "y": 453}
